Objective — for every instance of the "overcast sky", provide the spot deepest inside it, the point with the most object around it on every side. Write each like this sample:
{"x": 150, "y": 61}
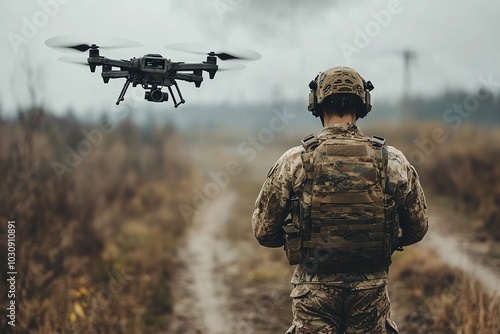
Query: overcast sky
{"x": 456, "y": 43}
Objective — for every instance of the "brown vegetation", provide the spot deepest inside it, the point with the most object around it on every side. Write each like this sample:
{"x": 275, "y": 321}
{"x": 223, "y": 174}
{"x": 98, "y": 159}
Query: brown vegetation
{"x": 467, "y": 170}
{"x": 433, "y": 298}
{"x": 462, "y": 165}
{"x": 94, "y": 244}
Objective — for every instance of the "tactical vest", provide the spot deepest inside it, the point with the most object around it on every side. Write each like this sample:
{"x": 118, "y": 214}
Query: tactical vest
{"x": 350, "y": 224}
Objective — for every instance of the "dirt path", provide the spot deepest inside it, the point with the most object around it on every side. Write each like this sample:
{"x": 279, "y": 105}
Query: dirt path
{"x": 201, "y": 302}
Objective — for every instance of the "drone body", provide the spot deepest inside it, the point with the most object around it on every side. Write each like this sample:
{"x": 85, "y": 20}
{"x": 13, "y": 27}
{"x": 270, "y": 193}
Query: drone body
{"x": 152, "y": 72}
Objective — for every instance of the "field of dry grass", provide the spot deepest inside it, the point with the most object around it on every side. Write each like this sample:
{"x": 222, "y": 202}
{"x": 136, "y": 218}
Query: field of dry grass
{"x": 94, "y": 244}
{"x": 430, "y": 297}
{"x": 97, "y": 241}
{"x": 462, "y": 165}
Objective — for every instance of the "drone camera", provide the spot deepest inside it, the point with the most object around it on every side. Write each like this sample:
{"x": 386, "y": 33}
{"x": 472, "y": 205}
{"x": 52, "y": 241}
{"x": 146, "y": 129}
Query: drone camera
{"x": 156, "y": 96}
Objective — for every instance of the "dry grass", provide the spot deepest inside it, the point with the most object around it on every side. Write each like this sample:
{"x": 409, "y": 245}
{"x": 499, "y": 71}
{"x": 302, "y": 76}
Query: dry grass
{"x": 95, "y": 249}
{"x": 433, "y": 298}
{"x": 465, "y": 167}
{"x": 468, "y": 171}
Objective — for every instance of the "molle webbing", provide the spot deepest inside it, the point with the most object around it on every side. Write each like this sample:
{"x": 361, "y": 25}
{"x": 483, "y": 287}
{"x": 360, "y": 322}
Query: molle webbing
{"x": 347, "y": 229}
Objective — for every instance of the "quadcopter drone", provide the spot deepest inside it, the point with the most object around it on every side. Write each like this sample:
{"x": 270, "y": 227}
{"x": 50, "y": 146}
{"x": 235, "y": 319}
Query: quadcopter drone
{"x": 152, "y": 71}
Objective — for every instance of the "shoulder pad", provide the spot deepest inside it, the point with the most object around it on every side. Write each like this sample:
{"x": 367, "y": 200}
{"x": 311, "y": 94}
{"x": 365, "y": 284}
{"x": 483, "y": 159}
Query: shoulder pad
{"x": 377, "y": 141}
{"x": 310, "y": 142}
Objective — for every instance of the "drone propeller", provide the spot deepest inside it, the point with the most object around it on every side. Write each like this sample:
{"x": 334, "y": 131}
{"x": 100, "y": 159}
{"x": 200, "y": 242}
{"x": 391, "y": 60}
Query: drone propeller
{"x": 79, "y": 47}
{"x": 231, "y": 67}
{"x": 73, "y": 60}
{"x": 68, "y": 42}
{"x": 236, "y": 53}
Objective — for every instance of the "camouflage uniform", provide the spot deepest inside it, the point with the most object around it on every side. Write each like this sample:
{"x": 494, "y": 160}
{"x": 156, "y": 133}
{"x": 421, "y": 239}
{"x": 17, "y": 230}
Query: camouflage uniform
{"x": 338, "y": 302}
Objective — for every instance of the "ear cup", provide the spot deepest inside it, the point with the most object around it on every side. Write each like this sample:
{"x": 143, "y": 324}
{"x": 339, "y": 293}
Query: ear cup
{"x": 313, "y": 99}
{"x": 368, "y": 86}
{"x": 368, "y": 100}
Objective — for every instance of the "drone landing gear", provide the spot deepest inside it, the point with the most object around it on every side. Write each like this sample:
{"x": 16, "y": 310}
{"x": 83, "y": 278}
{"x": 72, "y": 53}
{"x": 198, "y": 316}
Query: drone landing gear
{"x": 122, "y": 94}
{"x": 155, "y": 94}
{"x": 176, "y": 104}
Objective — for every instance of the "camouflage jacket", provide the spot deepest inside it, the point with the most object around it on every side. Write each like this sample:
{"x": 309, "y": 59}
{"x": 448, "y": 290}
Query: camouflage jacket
{"x": 287, "y": 177}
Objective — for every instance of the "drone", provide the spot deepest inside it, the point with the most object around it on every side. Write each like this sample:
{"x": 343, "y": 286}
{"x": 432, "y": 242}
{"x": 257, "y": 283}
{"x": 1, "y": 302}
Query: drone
{"x": 152, "y": 71}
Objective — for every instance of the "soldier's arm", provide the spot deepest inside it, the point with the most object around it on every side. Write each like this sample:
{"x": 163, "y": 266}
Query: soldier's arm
{"x": 413, "y": 214}
{"x": 273, "y": 203}
{"x": 412, "y": 208}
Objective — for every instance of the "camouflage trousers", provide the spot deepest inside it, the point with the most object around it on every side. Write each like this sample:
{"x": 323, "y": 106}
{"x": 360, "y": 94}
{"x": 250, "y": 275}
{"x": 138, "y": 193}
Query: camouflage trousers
{"x": 327, "y": 309}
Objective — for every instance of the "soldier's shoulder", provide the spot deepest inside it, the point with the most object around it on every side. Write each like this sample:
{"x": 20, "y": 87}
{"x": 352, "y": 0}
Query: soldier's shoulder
{"x": 397, "y": 165}
{"x": 289, "y": 160}
{"x": 293, "y": 153}
{"x": 396, "y": 157}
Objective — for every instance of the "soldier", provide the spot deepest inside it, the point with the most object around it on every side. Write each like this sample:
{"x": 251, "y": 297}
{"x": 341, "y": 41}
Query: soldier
{"x": 353, "y": 201}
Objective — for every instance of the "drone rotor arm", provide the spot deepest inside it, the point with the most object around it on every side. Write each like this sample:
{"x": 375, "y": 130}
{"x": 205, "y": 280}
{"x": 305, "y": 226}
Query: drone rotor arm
{"x": 188, "y": 77}
{"x": 115, "y": 74}
{"x": 194, "y": 66}
{"x": 100, "y": 60}
{"x": 209, "y": 67}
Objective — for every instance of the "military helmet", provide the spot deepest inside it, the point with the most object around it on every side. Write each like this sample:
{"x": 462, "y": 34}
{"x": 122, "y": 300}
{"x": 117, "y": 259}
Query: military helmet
{"x": 339, "y": 80}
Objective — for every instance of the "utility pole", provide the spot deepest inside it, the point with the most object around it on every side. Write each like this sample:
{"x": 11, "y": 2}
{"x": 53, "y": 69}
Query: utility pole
{"x": 409, "y": 56}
